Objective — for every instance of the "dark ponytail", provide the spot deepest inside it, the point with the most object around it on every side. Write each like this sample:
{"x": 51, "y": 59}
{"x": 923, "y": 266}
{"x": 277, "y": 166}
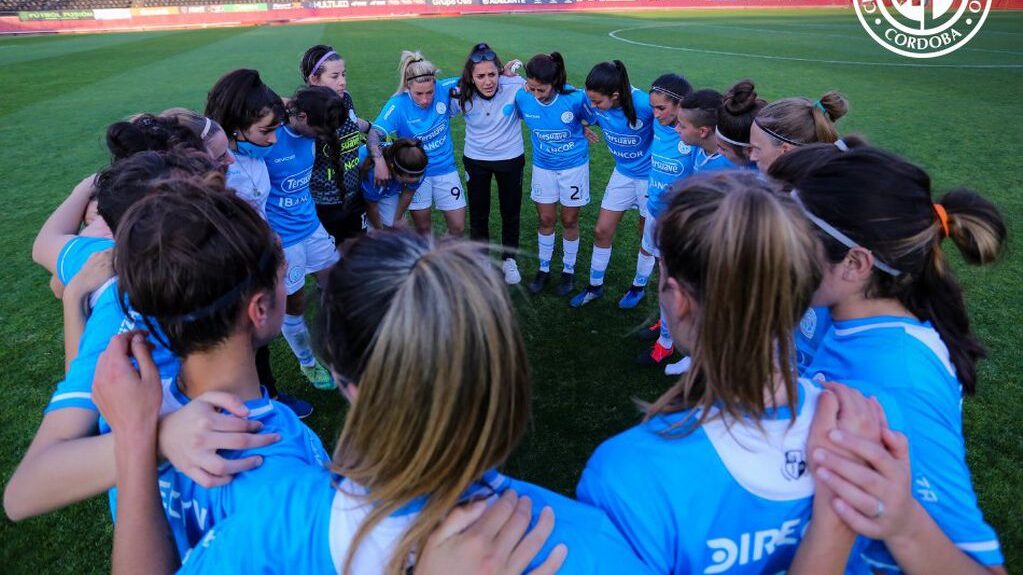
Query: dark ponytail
{"x": 609, "y": 77}
{"x": 548, "y": 69}
{"x": 884, "y": 203}
{"x": 404, "y": 153}
{"x": 148, "y": 132}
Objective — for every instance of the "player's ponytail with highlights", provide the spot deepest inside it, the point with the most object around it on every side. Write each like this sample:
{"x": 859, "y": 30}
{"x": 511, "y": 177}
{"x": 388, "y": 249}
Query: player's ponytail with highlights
{"x": 549, "y": 69}
{"x": 883, "y": 203}
{"x": 746, "y": 256}
{"x": 610, "y": 78}
{"x": 413, "y": 67}
{"x": 427, "y": 330}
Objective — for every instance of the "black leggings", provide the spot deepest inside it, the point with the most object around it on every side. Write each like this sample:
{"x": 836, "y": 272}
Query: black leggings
{"x": 509, "y": 194}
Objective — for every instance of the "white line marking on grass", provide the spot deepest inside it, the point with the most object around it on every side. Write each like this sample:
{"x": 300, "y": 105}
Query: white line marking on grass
{"x": 615, "y": 34}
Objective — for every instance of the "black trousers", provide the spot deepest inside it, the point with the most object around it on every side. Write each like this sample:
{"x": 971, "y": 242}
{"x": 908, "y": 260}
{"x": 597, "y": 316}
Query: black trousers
{"x": 341, "y": 221}
{"x": 508, "y": 174}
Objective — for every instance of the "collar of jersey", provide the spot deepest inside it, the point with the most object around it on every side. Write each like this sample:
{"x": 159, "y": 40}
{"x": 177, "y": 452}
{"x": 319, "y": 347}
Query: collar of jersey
{"x": 290, "y": 133}
{"x": 491, "y": 483}
{"x": 877, "y": 321}
{"x": 551, "y": 103}
{"x": 258, "y": 407}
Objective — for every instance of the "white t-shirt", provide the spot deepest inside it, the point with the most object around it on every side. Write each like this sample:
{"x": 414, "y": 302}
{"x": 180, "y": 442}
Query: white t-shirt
{"x": 248, "y": 177}
{"x": 493, "y": 129}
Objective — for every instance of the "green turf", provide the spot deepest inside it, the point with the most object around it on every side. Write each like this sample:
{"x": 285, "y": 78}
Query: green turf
{"x": 962, "y": 123}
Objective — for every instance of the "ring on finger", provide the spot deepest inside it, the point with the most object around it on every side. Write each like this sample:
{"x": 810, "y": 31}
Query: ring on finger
{"x": 878, "y": 510}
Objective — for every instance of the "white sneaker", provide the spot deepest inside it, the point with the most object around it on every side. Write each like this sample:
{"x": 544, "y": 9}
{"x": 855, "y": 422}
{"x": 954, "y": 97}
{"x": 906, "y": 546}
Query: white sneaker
{"x": 679, "y": 367}
{"x": 511, "y": 272}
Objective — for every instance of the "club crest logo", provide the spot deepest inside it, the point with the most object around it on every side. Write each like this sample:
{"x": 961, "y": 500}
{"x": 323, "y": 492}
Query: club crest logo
{"x": 795, "y": 464}
{"x": 441, "y": 108}
{"x": 808, "y": 324}
{"x": 922, "y": 28}
{"x": 567, "y": 117}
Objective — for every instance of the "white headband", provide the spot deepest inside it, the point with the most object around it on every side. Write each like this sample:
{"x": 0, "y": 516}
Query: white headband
{"x": 728, "y": 140}
{"x": 839, "y": 236}
{"x": 206, "y": 129}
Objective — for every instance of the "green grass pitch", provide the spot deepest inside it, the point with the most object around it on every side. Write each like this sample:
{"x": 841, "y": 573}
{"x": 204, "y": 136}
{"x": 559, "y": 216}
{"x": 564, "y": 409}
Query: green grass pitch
{"x": 959, "y": 116}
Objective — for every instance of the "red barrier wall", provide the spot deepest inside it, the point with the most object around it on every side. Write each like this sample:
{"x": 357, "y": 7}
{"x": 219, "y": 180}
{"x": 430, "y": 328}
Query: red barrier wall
{"x": 393, "y": 8}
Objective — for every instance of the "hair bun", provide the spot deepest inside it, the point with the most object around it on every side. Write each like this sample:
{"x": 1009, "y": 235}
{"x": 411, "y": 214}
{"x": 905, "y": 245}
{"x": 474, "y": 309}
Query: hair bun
{"x": 741, "y": 98}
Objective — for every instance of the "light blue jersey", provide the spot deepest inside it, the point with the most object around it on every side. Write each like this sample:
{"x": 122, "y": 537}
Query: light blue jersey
{"x": 307, "y": 526}
{"x": 290, "y": 209}
{"x": 905, "y": 365}
{"x": 107, "y": 320}
{"x": 670, "y": 161}
{"x": 192, "y": 510}
{"x": 555, "y": 128}
{"x": 374, "y": 193}
{"x": 629, "y": 144}
{"x": 812, "y": 328}
{"x": 75, "y": 254}
{"x": 720, "y": 500}
{"x": 402, "y": 118}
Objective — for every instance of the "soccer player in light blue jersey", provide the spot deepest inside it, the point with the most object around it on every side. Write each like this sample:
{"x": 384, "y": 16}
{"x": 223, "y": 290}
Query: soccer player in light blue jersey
{"x": 697, "y": 127}
{"x": 386, "y": 203}
{"x": 314, "y": 112}
{"x": 66, "y": 443}
{"x": 715, "y": 479}
{"x": 421, "y": 109}
{"x": 439, "y": 381}
{"x": 626, "y": 119}
{"x": 207, "y": 269}
{"x": 901, "y": 333}
{"x": 556, "y": 114}
{"x": 670, "y": 161}
{"x": 739, "y": 106}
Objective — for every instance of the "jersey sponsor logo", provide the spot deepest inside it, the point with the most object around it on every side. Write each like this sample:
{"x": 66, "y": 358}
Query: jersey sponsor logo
{"x": 795, "y": 464}
{"x": 532, "y": 116}
{"x": 628, "y": 140}
{"x": 548, "y": 136}
{"x": 435, "y": 137}
{"x": 808, "y": 324}
{"x": 284, "y": 159}
{"x": 567, "y": 117}
{"x": 666, "y": 165}
{"x": 441, "y": 108}
{"x": 751, "y": 547}
{"x": 297, "y": 182}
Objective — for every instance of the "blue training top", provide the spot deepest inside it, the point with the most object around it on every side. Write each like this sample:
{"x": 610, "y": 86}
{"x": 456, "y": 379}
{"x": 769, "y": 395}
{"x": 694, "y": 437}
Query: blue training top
{"x": 402, "y": 118}
{"x": 555, "y": 128}
{"x": 670, "y": 160}
{"x": 372, "y": 192}
{"x": 905, "y": 365}
{"x": 629, "y": 144}
{"x": 308, "y": 527}
{"x": 192, "y": 510}
{"x": 290, "y": 209}
{"x": 722, "y": 499}
{"x": 106, "y": 320}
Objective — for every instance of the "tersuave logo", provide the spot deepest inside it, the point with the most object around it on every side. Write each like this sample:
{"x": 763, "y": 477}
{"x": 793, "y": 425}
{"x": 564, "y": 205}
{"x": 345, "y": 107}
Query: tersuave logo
{"x": 751, "y": 547}
{"x": 922, "y": 28}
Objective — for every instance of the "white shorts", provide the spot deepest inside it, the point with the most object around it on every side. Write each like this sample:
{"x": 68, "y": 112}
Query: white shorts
{"x": 388, "y": 207}
{"x": 649, "y": 241}
{"x": 444, "y": 191}
{"x": 313, "y": 254}
{"x": 624, "y": 193}
{"x": 570, "y": 187}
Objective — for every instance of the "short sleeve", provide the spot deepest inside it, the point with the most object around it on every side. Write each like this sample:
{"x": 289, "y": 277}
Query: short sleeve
{"x": 390, "y": 116}
{"x": 607, "y": 484}
{"x": 76, "y": 253}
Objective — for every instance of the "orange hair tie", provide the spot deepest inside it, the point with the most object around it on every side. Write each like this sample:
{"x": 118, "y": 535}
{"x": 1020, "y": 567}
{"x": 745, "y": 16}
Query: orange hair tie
{"x": 942, "y": 217}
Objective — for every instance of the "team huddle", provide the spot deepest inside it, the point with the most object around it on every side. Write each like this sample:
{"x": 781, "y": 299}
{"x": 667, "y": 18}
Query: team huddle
{"x": 788, "y": 259}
